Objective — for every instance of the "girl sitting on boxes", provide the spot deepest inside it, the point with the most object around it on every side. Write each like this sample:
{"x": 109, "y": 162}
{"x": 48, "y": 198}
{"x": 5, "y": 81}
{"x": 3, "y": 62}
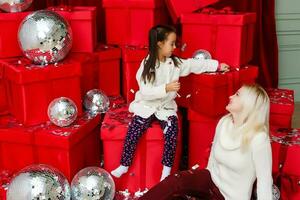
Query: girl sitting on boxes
{"x": 240, "y": 154}
{"x": 157, "y": 78}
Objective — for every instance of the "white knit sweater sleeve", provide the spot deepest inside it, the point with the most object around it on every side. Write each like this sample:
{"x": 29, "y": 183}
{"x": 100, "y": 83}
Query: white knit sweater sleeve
{"x": 262, "y": 158}
{"x": 148, "y": 90}
{"x": 197, "y": 66}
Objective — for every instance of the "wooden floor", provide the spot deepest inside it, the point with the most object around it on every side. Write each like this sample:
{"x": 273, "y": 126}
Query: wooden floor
{"x": 296, "y": 116}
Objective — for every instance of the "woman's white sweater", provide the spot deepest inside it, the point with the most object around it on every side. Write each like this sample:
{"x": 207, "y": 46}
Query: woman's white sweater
{"x": 234, "y": 170}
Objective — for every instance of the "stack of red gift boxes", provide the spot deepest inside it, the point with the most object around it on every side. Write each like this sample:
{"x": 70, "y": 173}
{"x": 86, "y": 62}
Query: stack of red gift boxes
{"x": 26, "y": 89}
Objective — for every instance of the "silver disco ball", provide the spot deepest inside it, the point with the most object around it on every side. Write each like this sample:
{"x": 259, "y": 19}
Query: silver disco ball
{"x": 62, "y": 111}
{"x": 95, "y": 101}
{"x": 14, "y": 5}
{"x": 92, "y": 183}
{"x": 201, "y": 54}
{"x": 45, "y": 37}
{"x": 39, "y": 182}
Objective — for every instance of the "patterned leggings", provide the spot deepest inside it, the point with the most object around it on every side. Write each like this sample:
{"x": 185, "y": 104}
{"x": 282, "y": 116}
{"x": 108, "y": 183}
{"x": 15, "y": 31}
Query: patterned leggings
{"x": 136, "y": 129}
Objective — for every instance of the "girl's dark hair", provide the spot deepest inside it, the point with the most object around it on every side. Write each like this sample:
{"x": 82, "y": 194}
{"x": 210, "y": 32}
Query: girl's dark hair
{"x": 157, "y": 34}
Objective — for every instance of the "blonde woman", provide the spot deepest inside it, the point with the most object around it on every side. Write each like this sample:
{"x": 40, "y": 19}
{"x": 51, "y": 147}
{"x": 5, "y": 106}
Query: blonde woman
{"x": 241, "y": 154}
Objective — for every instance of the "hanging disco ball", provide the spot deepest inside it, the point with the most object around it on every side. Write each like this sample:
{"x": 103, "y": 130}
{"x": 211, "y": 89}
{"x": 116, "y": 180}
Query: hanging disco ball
{"x": 39, "y": 182}
{"x": 92, "y": 183}
{"x": 201, "y": 54}
{"x": 15, "y": 5}
{"x": 45, "y": 37}
{"x": 95, "y": 101}
{"x": 62, "y": 111}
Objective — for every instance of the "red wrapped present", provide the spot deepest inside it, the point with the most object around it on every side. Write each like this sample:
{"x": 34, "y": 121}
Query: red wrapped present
{"x": 72, "y": 148}
{"x": 201, "y": 135}
{"x": 129, "y": 29}
{"x": 132, "y": 58}
{"x": 32, "y": 87}
{"x": 281, "y": 108}
{"x": 178, "y": 7}
{"x": 9, "y": 23}
{"x": 211, "y": 91}
{"x": 3, "y": 93}
{"x": 83, "y": 23}
{"x": 89, "y": 69}
{"x": 286, "y": 160}
{"x": 109, "y": 69}
{"x": 228, "y": 37}
{"x": 64, "y": 148}
{"x": 146, "y": 169}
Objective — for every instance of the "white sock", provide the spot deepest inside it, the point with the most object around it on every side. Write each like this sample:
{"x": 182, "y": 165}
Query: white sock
{"x": 119, "y": 171}
{"x": 165, "y": 172}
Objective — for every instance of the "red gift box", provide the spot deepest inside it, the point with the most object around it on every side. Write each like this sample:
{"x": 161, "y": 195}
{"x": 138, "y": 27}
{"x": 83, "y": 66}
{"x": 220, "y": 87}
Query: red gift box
{"x": 281, "y": 107}
{"x": 109, "y": 69}
{"x": 72, "y": 148}
{"x": 83, "y": 24}
{"x": 228, "y": 37}
{"x": 89, "y": 70}
{"x": 286, "y": 160}
{"x": 211, "y": 91}
{"x": 63, "y": 148}
{"x": 32, "y": 87}
{"x": 9, "y": 23}
{"x": 201, "y": 135}
{"x": 129, "y": 29}
{"x": 132, "y": 58}
{"x": 178, "y": 7}
{"x": 146, "y": 169}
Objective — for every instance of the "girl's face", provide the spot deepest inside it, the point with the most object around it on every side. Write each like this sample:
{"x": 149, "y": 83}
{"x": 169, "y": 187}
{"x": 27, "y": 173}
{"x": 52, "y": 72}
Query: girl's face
{"x": 167, "y": 47}
{"x": 235, "y": 104}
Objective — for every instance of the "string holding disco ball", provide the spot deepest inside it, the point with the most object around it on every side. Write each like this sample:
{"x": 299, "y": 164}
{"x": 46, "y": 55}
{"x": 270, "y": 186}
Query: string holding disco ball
{"x": 45, "y": 37}
{"x": 15, "y": 5}
{"x": 62, "y": 111}
{"x": 201, "y": 54}
{"x": 93, "y": 183}
{"x": 95, "y": 101}
{"x": 39, "y": 182}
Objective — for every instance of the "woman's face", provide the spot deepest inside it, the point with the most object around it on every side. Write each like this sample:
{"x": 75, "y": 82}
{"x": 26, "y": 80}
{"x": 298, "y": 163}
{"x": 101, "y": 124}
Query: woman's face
{"x": 167, "y": 47}
{"x": 235, "y": 104}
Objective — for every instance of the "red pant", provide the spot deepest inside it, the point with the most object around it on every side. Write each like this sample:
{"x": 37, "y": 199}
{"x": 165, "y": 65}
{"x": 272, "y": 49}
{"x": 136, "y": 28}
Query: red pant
{"x": 195, "y": 183}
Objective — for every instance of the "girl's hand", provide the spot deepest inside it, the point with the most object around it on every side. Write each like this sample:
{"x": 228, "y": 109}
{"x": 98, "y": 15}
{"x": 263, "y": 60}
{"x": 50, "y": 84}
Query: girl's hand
{"x": 173, "y": 86}
{"x": 224, "y": 67}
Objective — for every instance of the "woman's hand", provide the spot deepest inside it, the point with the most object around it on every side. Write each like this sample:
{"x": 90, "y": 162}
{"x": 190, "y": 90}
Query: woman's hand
{"x": 173, "y": 86}
{"x": 223, "y": 67}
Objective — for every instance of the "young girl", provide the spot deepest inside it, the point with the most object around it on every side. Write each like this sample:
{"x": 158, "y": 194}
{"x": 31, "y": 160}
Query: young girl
{"x": 241, "y": 153}
{"x": 157, "y": 78}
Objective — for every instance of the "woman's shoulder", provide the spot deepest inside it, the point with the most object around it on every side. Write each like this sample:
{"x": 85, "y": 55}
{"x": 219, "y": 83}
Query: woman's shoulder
{"x": 260, "y": 138}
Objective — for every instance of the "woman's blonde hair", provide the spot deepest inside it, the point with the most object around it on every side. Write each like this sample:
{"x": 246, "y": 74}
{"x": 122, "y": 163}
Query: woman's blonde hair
{"x": 255, "y": 114}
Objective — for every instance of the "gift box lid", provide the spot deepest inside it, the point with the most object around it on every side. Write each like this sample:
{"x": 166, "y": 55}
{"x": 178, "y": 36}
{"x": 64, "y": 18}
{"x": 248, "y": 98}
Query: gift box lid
{"x": 78, "y": 13}
{"x": 83, "y": 57}
{"x": 178, "y": 7}
{"x": 219, "y": 19}
{"x": 116, "y": 122}
{"x": 66, "y": 137}
{"x": 13, "y": 132}
{"x": 282, "y": 100}
{"x": 133, "y": 53}
{"x": 21, "y": 70}
{"x": 133, "y": 3}
{"x": 106, "y": 52}
{"x": 13, "y": 16}
{"x": 211, "y": 80}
